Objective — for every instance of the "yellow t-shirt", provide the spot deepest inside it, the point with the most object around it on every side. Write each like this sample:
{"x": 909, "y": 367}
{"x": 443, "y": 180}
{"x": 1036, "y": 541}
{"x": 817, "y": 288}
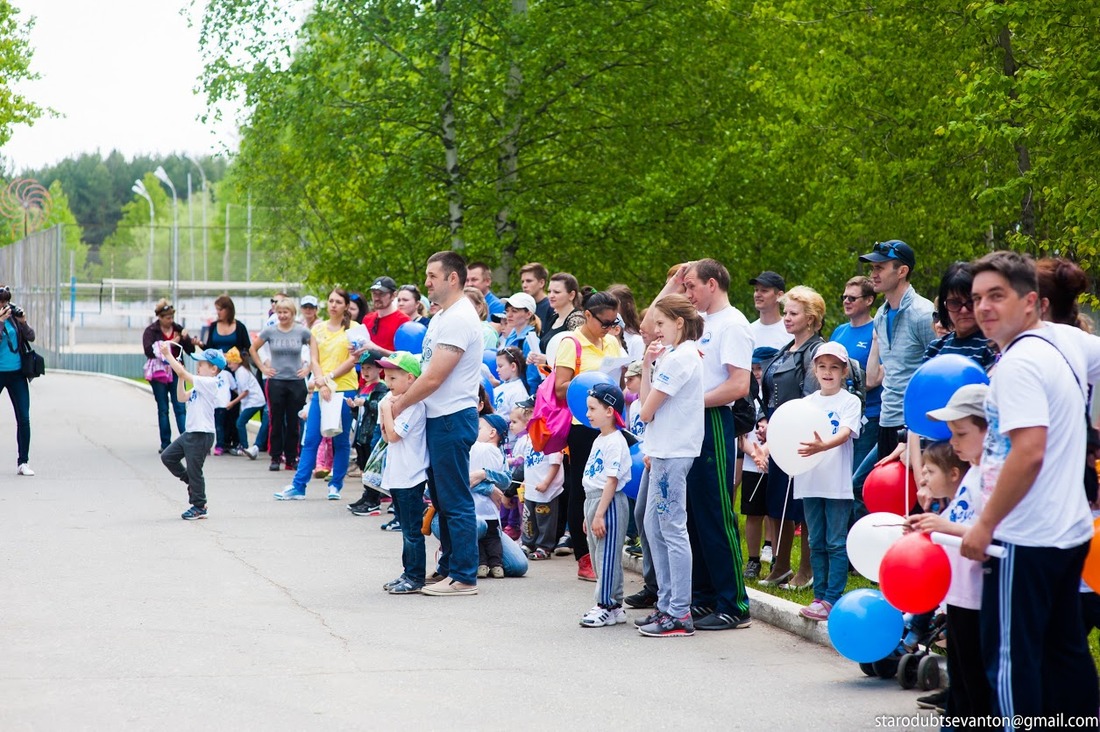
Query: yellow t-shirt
{"x": 333, "y": 349}
{"x": 592, "y": 355}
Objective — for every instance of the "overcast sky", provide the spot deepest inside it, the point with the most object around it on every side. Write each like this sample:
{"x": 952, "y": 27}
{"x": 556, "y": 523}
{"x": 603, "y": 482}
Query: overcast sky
{"x": 122, "y": 73}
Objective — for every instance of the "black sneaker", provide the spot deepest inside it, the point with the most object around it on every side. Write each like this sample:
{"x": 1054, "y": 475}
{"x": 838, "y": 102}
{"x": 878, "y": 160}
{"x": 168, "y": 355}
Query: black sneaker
{"x": 752, "y": 569}
{"x": 364, "y": 509}
{"x": 669, "y": 627}
{"x": 936, "y": 700}
{"x": 274, "y": 467}
{"x": 721, "y": 621}
{"x": 194, "y": 513}
{"x": 653, "y": 617}
{"x": 643, "y": 598}
{"x": 700, "y": 611}
{"x": 391, "y": 525}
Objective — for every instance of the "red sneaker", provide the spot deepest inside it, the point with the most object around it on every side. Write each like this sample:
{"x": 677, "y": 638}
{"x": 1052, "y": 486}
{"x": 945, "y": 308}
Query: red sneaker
{"x": 584, "y": 569}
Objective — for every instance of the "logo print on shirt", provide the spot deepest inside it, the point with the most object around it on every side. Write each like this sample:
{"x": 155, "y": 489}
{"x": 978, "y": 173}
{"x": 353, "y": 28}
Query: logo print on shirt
{"x": 595, "y": 465}
{"x": 705, "y": 339}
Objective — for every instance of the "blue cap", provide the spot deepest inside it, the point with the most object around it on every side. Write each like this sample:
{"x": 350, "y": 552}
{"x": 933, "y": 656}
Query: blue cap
{"x": 499, "y": 424}
{"x": 211, "y": 355}
{"x": 764, "y": 353}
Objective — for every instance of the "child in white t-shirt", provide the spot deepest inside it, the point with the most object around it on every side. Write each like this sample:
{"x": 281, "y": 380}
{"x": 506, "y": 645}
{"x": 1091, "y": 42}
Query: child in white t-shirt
{"x": 487, "y": 472}
{"x": 605, "y": 506}
{"x": 194, "y": 444}
{"x": 251, "y": 398}
{"x": 826, "y": 490}
{"x": 405, "y": 475}
{"x": 942, "y": 474}
{"x": 543, "y": 481}
{"x": 632, "y": 387}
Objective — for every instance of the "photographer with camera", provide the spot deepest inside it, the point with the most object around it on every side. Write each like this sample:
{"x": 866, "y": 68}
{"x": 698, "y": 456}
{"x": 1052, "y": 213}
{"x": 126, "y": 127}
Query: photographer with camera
{"x": 14, "y": 332}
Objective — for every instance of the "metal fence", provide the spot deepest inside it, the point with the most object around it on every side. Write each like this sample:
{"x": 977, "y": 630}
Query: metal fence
{"x": 97, "y": 326}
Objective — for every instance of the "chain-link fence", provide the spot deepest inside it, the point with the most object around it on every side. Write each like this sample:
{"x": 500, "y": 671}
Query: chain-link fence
{"x": 97, "y": 324}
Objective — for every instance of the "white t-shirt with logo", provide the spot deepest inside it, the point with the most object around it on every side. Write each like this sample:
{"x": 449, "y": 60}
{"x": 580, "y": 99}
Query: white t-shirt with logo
{"x": 832, "y": 477}
{"x": 536, "y": 465}
{"x": 774, "y": 335}
{"x": 486, "y": 456}
{"x": 610, "y": 458}
{"x": 676, "y": 430}
{"x": 205, "y": 395}
{"x": 407, "y": 459}
{"x": 634, "y": 421}
{"x": 1032, "y": 386}
{"x": 966, "y": 574}
{"x": 506, "y": 395}
{"x": 460, "y": 327}
{"x": 727, "y": 340}
{"x": 247, "y": 382}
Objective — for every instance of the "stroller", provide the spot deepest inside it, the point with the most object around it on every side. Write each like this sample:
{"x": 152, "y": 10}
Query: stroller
{"x": 914, "y": 662}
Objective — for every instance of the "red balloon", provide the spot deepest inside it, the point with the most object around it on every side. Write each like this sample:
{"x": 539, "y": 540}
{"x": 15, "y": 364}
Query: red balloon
{"x": 885, "y": 489}
{"x": 915, "y": 574}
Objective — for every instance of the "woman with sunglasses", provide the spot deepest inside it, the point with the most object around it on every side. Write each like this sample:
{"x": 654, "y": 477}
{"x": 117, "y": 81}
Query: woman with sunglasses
{"x": 410, "y": 302}
{"x": 595, "y": 344}
{"x": 14, "y": 332}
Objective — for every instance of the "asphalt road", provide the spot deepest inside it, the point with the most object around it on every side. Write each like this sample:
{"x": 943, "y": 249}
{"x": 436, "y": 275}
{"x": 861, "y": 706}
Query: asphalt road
{"x": 115, "y": 614}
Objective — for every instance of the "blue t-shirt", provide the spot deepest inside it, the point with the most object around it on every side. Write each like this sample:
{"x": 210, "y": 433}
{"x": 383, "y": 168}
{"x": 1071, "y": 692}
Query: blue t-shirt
{"x": 857, "y": 341}
{"x": 9, "y": 348}
{"x": 496, "y": 306}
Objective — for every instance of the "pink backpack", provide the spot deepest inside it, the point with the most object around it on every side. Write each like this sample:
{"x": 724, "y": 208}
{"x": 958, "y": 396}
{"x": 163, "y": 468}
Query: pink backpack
{"x": 551, "y": 418}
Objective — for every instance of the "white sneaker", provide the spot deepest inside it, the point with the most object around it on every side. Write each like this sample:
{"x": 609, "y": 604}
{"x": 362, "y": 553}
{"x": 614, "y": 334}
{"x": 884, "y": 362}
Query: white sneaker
{"x": 253, "y": 452}
{"x": 24, "y": 469}
{"x": 766, "y": 554}
{"x": 599, "y": 617}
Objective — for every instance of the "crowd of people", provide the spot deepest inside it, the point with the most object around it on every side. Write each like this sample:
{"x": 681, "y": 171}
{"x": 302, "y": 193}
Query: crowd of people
{"x": 693, "y": 383}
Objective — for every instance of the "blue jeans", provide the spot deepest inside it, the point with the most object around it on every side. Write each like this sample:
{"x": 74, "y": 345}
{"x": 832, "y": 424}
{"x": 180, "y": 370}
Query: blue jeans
{"x": 408, "y": 507}
{"x": 20, "y": 394}
{"x": 165, "y": 394}
{"x": 450, "y": 438}
{"x": 242, "y": 425}
{"x": 341, "y": 445}
{"x": 515, "y": 559}
{"x": 827, "y": 519}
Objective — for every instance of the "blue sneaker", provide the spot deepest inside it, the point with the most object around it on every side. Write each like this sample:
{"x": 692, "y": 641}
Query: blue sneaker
{"x": 333, "y": 493}
{"x": 194, "y": 513}
{"x": 290, "y": 493}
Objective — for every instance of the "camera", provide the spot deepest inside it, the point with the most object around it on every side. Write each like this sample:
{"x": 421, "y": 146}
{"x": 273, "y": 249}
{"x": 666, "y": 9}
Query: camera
{"x": 16, "y": 310}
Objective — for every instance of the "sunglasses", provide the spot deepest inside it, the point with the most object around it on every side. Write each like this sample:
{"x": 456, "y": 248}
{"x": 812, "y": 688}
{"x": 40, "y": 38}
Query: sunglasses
{"x": 954, "y": 304}
{"x": 605, "y": 324}
{"x": 886, "y": 249}
{"x": 850, "y": 298}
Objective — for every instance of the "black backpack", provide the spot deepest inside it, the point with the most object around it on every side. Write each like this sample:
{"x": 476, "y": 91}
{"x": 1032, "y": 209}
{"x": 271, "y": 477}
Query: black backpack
{"x": 746, "y": 408}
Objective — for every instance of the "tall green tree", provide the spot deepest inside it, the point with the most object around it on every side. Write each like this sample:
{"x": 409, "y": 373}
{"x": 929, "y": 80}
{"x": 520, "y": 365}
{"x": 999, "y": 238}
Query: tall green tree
{"x": 15, "y": 68}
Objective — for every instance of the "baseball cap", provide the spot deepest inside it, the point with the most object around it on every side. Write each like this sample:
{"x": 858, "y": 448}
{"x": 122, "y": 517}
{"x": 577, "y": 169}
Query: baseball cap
{"x": 967, "y": 401}
{"x": 499, "y": 425}
{"x": 309, "y": 301}
{"x": 384, "y": 283}
{"x": 764, "y": 353}
{"x": 634, "y": 369}
{"x": 612, "y": 396}
{"x": 522, "y": 301}
{"x": 402, "y": 360}
{"x": 768, "y": 278}
{"x": 884, "y": 251}
{"x": 369, "y": 358}
{"x": 834, "y": 349}
{"x": 210, "y": 355}
{"x": 233, "y": 355}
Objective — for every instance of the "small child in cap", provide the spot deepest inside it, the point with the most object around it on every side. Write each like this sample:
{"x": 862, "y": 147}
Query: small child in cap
{"x": 250, "y": 395}
{"x": 487, "y": 472}
{"x": 194, "y": 445}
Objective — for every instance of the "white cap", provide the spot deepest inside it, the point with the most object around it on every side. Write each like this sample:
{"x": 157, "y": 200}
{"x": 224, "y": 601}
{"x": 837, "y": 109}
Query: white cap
{"x": 522, "y": 301}
{"x": 309, "y": 300}
{"x": 834, "y": 349}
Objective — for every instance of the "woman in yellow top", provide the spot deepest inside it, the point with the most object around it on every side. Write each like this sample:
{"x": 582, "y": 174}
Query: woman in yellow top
{"x": 334, "y": 377}
{"x": 596, "y": 344}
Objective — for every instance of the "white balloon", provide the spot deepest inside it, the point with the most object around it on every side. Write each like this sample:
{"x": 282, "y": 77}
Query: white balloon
{"x": 792, "y": 424}
{"x": 869, "y": 538}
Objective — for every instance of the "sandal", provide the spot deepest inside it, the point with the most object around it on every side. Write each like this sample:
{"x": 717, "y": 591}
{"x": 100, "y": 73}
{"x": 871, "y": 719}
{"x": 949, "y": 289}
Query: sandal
{"x": 538, "y": 554}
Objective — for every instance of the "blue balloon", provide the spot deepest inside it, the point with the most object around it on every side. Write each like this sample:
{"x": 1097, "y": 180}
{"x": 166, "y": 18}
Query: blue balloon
{"x": 864, "y": 627}
{"x": 488, "y": 389}
{"x": 409, "y": 337}
{"x": 637, "y": 466}
{"x": 931, "y": 388}
{"x": 577, "y": 394}
{"x": 489, "y": 358}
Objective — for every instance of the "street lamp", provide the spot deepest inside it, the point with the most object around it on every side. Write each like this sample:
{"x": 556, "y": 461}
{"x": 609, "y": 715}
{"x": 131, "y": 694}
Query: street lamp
{"x": 163, "y": 178}
{"x": 204, "y": 197}
{"x": 139, "y": 188}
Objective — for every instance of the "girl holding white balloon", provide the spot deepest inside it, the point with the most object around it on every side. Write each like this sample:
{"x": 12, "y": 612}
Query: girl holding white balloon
{"x": 789, "y": 377}
{"x": 826, "y": 489}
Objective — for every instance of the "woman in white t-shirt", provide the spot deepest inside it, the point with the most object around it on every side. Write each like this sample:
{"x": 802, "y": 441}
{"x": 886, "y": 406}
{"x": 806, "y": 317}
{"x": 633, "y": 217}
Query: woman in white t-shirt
{"x": 672, "y": 407}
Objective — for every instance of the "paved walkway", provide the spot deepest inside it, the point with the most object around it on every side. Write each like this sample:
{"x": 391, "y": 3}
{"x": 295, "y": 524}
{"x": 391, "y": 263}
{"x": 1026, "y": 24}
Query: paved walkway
{"x": 115, "y": 614}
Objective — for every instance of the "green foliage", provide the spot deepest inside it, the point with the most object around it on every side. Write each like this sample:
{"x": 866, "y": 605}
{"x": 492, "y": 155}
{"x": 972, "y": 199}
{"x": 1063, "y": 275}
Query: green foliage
{"x": 15, "y": 67}
{"x": 614, "y": 139}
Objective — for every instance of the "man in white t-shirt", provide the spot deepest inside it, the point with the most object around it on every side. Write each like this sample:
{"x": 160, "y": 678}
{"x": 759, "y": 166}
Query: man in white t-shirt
{"x": 719, "y": 599}
{"x": 1033, "y": 640}
{"x": 448, "y": 387}
{"x": 768, "y": 329}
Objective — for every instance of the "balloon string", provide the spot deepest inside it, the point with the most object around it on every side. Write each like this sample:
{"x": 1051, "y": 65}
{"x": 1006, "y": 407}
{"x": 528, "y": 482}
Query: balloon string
{"x": 905, "y": 493}
{"x": 783, "y": 518}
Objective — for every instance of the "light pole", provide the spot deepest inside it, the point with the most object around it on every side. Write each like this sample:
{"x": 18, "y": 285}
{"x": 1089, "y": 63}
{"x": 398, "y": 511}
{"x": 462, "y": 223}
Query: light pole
{"x": 139, "y": 188}
{"x": 204, "y": 197}
{"x": 163, "y": 178}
